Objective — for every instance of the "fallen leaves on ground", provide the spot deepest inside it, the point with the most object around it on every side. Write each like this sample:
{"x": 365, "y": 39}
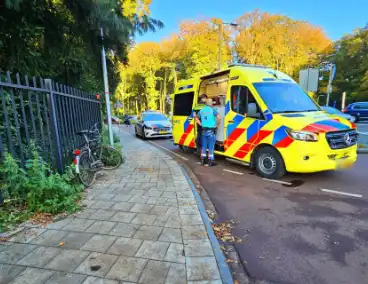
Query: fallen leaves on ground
{"x": 42, "y": 219}
{"x": 61, "y": 244}
{"x": 236, "y": 282}
{"x": 229, "y": 260}
{"x": 223, "y": 231}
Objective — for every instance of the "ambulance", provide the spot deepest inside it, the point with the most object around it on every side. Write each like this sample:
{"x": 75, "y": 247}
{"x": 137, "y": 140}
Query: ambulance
{"x": 267, "y": 122}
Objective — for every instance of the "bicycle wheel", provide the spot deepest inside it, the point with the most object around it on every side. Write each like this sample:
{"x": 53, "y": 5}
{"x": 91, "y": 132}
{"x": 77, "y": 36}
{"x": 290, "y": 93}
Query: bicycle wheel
{"x": 86, "y": 176}
{"x": 110, "y": 157}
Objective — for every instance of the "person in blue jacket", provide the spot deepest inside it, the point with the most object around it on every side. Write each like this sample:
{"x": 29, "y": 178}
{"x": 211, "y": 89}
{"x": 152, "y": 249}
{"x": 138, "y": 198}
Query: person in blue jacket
{"x": 209, "y": 119}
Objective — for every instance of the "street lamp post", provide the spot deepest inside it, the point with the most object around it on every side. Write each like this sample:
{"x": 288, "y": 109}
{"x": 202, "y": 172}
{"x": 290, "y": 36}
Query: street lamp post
{"x": 107, "y": 94}
{"x": 220, "y": 29}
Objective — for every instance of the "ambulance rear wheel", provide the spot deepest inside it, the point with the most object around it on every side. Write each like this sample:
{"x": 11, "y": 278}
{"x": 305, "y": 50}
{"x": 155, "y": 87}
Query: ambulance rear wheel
{"x": 269, "y": 163}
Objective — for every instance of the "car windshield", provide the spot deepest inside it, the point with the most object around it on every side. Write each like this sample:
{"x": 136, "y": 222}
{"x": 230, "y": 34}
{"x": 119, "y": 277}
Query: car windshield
{"x": 153, "y": 117}
{"x": 285, "y": 97}
{"x": 331, "y": 110}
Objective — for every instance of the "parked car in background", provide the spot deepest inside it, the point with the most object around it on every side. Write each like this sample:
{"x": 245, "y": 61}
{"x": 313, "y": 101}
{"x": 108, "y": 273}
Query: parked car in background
{"x": 335, "y": 111}
{"x": 153, "y": 124}
{"x": 359, "y": 110}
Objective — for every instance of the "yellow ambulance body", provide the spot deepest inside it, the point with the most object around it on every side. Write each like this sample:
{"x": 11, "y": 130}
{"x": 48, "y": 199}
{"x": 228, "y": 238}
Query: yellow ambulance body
{"x": 268, "y": 122}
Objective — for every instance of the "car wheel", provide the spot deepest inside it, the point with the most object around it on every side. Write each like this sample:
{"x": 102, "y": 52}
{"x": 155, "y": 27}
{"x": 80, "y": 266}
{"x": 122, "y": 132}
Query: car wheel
{"x": 269, "y": 163}
{"x": 356, "y": 118}
{"x": 136, "y": 132}
{"x": 144, "y": 133}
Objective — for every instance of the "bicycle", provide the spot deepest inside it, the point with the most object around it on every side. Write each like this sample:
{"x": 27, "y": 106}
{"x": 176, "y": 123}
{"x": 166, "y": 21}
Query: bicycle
{"x": 93, "y": 156}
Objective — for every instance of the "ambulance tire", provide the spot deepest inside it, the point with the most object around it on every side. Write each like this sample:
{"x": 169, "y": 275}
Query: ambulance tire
{"x": 269, "y": 163}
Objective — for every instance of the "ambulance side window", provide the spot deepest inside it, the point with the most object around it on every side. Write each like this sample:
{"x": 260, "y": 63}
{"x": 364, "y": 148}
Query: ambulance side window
{"x": 244, "y": 103}
{"x": 183, "y": 104}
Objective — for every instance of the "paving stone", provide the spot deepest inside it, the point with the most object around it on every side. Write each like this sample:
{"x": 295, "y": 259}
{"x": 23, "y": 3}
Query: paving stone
{"x": 104, "y": 196}
{"x": 122, "y": 206}
{"x": 75, "y": 240}
{"x": 198, "y": 248}
{"x": 124, "y": 230}
{"x": 153, "y": 250}
{"x": 8, "y": 272}
{"x": 27, "y": 235}
{"x": 68, "y": 260}
{"x": 171, "y": 202}
{"x": 99, "y": 243}
{"x": 154, "y": 272}
{"x": 85, "y": 213}
{"x": 39, "y": 257}
{"x": 141, "y": 208}
{"x": 156, "y": 200}
{"x": 96, "y": 280}
{"x": 138, "y": 192}
{"x": 159, "y": 209}
{"x": 102, "y": 214}
{"x": 193, "y": 209}
{"x": 139, "y": 199}
{"x": 15, "y": 252}
{"x": 125, "y": 217}
{"x": 66, "y": 278}
{"x": 125, "y": 246}
{"x": 177, "y": 274}
{"x": 174, "y": 221}
{"x": 33, "y": 276}
{"x": 102, "y": 205}
{"x": 49, "y": 238}
{"x": 88, "y": 203}
{"x": 194, "y": 219}
{"x": 4, "y": 246}
{"x": 96, "y": 264}
{"x": 159, "y": 223}
{"x": 150, "y": 233}
{"x": 122, "y": 197}
{"x": 186, "y": 201}
{"x": 101, "y": 227}
{"x": 78, "y": 225}
{"x": 202, "y": 268}
{"x": 59, "y": 224}
{"x": 185, "y": 194}
{"x": 144, "y": 219}
{"x": 194, "y": 232}
{"x": 171, "y": 235}
{"x": 169, "y": 194}
{"x": 153, "y": 193}
{"x": 127, "y": 269}
{"x": 175, "y": 253}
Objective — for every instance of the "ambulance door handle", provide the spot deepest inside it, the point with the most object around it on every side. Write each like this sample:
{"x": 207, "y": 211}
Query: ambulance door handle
{"x": 230, "y": 121}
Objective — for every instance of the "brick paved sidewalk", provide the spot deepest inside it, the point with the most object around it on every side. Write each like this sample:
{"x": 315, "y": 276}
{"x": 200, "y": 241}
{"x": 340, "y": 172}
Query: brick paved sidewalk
{"x": 141, "y": 225}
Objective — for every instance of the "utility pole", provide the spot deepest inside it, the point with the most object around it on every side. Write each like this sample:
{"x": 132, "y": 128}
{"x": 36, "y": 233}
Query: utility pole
{"x": 107, "y": 94}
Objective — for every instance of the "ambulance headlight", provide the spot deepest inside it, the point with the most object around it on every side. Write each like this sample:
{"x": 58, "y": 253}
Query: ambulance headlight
{"x": 303, "y": 135}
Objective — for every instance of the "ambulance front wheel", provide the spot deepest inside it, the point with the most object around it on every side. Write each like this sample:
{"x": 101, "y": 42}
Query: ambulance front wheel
{"x": 269, "y": 163}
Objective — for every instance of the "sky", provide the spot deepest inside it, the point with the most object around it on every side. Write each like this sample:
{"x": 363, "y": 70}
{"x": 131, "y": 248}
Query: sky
{"x": 335, "y": 17}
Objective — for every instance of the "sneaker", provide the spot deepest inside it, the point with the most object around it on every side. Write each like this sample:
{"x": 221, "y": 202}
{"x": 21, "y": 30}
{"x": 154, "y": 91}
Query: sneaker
{"x": 211, "y": 163}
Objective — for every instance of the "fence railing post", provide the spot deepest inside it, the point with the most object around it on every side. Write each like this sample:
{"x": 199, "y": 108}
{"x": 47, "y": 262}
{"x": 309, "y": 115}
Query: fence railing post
{"x": 55, "y": 127}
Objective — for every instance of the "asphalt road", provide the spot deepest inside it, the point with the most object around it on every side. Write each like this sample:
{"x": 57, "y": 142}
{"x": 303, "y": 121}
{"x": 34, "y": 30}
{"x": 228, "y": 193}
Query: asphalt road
{"x": 363, "y": 126}
{"x": 292, "y": 234}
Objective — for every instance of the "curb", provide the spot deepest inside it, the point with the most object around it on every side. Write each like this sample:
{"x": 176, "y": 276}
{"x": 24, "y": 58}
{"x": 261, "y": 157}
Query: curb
{"x": 362, "y": 151}
{"x": 220, "y": 258}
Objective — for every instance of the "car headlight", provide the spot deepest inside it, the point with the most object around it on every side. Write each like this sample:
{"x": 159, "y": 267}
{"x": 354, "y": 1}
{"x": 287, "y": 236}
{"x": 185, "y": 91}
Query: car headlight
{"x": 303, "y": 135}
{"x": 147, "y": 127}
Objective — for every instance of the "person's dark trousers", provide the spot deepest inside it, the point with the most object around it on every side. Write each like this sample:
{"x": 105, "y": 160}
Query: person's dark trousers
{"x": 199, "y": 139}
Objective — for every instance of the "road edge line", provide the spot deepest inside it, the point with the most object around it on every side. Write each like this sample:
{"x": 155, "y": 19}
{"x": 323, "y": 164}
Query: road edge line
{"x": 341, "y": 193}
{"x": 232, "y": 172}
{"x": 224, "y": 269}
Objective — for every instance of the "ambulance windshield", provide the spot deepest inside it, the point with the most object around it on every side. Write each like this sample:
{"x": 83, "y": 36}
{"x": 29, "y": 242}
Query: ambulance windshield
{"x": 285, "y": 97}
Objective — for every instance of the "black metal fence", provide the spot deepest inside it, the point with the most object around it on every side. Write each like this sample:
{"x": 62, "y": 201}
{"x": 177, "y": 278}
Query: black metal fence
{"x": 38, "y": 112}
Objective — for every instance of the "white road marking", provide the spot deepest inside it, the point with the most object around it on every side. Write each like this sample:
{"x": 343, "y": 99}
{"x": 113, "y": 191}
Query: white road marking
{"x": 363, "y": 133}
{"x": 233, "y": 172}
{"x": 278, "y": 181}
{"x": 181, "y": 157}
{"x": 341, "y": 192}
